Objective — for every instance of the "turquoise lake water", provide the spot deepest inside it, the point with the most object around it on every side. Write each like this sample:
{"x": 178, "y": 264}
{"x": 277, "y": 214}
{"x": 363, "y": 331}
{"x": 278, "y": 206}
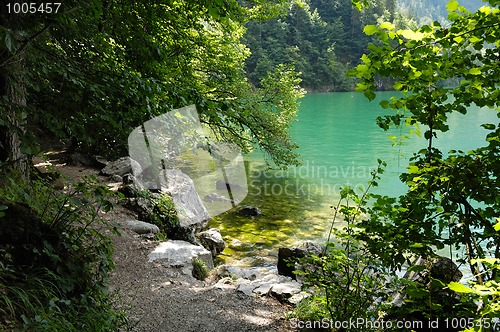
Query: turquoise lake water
{"x": 339, "y": 145}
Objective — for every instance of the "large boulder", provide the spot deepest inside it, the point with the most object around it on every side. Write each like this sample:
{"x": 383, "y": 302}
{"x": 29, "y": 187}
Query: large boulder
{"x": 192, "y": 214}
{"x": 212, "y": 240}
{"x": 288, "y": 257}
{"x": 178, "y": 254}
{"x": 121, "y": 167}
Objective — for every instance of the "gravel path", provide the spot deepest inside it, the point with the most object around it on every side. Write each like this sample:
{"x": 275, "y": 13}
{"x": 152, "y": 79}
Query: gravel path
{"x": 156, "y": 301}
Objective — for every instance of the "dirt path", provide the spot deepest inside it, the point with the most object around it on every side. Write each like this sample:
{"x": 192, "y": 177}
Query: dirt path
{"x": 156, "y": 301}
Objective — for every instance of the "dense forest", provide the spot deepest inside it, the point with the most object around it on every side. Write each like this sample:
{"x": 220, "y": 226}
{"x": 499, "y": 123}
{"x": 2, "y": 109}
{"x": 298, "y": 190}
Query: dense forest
{"x": 323, "y": 39}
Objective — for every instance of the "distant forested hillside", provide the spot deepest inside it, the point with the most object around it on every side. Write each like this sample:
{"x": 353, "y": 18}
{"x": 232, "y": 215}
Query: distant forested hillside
{"x": 323, "y": 39}
{"x": 425, "y": 11}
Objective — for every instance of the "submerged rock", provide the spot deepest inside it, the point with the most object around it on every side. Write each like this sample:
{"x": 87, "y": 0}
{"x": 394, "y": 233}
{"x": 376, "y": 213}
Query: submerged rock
{"x": 216, "y": 198}
{"x": 249, "y": 211}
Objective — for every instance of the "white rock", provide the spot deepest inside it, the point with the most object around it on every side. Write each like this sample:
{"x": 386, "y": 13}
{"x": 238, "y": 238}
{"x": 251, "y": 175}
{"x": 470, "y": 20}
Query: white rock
{"x": 180, "y": 254}
{"x": 141, "y": 227}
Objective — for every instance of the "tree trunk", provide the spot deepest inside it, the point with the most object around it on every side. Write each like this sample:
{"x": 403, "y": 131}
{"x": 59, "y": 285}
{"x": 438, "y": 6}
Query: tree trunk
{"x": 13, "y": 104}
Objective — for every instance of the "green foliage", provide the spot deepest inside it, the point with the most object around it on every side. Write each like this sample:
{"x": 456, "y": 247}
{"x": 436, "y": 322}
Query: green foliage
{"x": 55, "y": 259}
{"x": 487, "y": 293}
{"x": 452, "y": 197}
{"x": 200, "y": 269}
{"x": 160, "y": 211}
{"x": 111, "y": 66}
{"x": 349, "y": 282}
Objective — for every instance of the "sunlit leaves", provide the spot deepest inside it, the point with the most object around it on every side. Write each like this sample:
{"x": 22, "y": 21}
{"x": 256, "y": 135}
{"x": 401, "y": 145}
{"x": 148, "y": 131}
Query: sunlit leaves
{"x": 371, "y": 29}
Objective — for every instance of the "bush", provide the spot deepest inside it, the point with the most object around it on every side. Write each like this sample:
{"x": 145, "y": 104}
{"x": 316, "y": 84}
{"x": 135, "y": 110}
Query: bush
{"x": 158, "y": 209}
{"x": 200, "y": 269}
{"x": 54, "y": 259}
{"x": 347, "y": 281}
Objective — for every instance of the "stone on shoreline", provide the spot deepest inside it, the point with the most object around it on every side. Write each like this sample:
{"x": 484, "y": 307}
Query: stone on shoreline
{"x": 212, "y": 240}
{"x": 180, "y": 254}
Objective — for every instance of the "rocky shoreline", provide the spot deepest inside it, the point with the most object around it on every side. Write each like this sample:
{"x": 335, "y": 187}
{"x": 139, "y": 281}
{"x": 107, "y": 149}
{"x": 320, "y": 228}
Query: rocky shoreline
{"x": 153, "y": 279}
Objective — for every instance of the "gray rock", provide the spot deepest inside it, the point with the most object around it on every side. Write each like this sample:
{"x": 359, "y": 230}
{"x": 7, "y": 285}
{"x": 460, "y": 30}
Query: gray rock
{"x": 296, "y": 298}
{"x": 116, "y": 178}
{"x": 284, "y": 291}
{"x": 192, "y": 214}
{"x": 180, "y": 254}
{"x": 441, "y": 268}
{"x": 249, "y": 211}
{"x": 141, "y": 227}
{"x": 246, "y": 288}
{"x": 131, "y": 185}
{"x": 260, "y": 281}
{"x": 80, "y": 159}
{"x": 212, "y": 240}
{"x": 288, "y": 257}
{"x": 225, "y": 283}
{"x": 263, "y": 288}
{"x": 121, "y": 167}
{"x": 248, "y": 273}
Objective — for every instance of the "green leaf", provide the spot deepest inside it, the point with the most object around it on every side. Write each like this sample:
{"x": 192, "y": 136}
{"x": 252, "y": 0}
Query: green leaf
{"x": 384, "y": 104}
{"x": 488, "y": 126}
{"x": 417, "y": 293}
{"x": 10, "y": 41}
{"x": 398, "y": 86}
{"x": 475, "y": 71}
{"x": 460, "y": 288}
{"x": 387, "y": 25}
{"x": 489, "y": 261}
{"x": 416, "y": 268}
{"x": 370, "y": 95}
{"x": 370, "y": 29}
{"x": 497, "y": 225}
{"x": 452, "y": 5}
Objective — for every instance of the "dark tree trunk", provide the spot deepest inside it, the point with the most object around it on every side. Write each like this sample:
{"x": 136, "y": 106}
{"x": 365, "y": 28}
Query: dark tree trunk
{"x": 13, "y": 104}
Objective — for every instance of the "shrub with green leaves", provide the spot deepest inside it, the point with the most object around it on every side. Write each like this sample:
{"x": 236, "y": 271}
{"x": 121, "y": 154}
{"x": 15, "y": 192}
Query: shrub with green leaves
{"x": 200, "y": 269}
{"x": 54, "y": 258}
{"x": 346, "y": 280}
{"x": 158, "y": 209}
